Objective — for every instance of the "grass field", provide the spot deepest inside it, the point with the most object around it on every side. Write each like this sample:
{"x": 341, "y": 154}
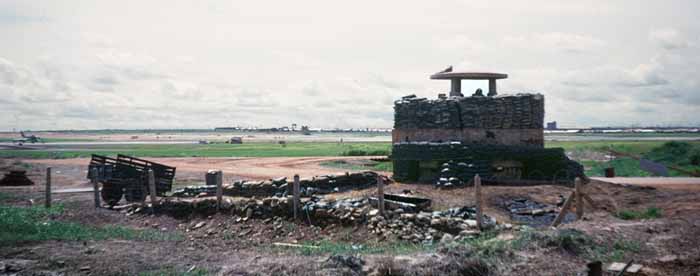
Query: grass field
{"x": 623, "y": 166}
{"x": 297, "y": 149}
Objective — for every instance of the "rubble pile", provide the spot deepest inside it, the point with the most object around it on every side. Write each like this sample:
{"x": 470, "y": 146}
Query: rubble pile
{"x": 520, "y": 111}
{"x": 282, "y": 186}
{"x": 416, "y": 224}
{"x": 16, "y": 178}
{"x": 429, "y": 226}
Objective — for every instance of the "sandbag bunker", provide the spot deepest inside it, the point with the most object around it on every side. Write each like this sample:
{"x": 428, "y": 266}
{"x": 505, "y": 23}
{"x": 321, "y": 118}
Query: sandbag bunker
{"x": 449, "y": 140}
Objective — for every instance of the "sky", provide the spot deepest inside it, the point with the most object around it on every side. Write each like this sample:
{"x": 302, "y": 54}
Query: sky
{"x": 338, "y": 64}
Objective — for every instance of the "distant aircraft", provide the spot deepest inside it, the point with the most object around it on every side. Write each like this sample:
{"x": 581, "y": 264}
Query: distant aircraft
{"x": 27, "y": 139}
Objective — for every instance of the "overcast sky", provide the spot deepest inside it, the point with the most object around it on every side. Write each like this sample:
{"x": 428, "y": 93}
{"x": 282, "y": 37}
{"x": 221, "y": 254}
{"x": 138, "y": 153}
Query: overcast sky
{"x": 202, "y": 64}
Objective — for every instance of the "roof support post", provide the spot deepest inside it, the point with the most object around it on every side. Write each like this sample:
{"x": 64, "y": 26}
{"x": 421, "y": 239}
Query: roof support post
{"x": 456, "y": 90}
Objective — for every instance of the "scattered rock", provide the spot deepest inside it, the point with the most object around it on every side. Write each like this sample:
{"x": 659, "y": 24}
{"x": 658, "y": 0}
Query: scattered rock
{"x": 199, "y": 225}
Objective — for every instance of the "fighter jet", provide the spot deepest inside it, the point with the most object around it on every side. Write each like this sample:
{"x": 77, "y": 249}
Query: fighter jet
{"x": 27, "y": 139}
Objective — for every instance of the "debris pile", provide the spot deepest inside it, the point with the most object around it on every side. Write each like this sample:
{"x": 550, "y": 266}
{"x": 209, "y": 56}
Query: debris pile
{"x": 282, "y": 186}
{"x": 16, "y": 178}
{"x": 533, "y": 213}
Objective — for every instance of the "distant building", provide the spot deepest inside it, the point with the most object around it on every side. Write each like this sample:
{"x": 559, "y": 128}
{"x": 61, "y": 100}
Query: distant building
{"x": 552, "y": 125}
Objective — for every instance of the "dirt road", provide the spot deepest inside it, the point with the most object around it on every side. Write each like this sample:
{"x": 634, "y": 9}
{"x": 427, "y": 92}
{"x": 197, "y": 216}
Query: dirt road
{"x": 194, "y": 168}
{"x": 685, "y": 183}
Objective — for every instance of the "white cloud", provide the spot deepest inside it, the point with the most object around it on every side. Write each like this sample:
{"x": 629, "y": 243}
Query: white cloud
{"x": 669, "y": 38}
{"x": 336, "y": 64}
{"x": 557, "y": 41}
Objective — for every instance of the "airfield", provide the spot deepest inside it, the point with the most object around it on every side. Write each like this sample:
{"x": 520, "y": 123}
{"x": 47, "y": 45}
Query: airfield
{"x": 117, "y": 241}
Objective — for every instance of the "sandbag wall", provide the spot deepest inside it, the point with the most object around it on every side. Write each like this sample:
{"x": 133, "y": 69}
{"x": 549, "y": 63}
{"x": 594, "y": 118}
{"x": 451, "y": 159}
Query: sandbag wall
{"x": 506, "y": 120}
{"x": 283, "y": 186}
{"x": 537, "y": 163}
{"x": 521, "y": 111}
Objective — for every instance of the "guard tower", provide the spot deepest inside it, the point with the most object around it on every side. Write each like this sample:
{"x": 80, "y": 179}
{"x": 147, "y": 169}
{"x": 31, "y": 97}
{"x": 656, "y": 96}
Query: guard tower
{"x": 496, "y": 136}
{"x": 457, "y": 77}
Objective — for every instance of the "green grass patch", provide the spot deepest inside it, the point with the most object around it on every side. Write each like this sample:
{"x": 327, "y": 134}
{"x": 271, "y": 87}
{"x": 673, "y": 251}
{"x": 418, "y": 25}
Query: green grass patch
{"x": 623, "y": 167}
{"x": 292, "y": 149}
{"x": 300, "y": 149}
{"x": 648, "y": 213}
{"x": 19, "y": 224}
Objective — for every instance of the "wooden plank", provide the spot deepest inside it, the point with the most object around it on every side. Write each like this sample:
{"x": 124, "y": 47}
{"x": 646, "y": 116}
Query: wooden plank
{"x": 47, "y": 201}
{"x": 477, "y": 195}
{"x": 564, "y": 210}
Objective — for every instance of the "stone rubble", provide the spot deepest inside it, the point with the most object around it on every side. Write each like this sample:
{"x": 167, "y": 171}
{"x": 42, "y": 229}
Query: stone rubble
{"x": 421, "y": 226}
{"x": 282, "y": 186}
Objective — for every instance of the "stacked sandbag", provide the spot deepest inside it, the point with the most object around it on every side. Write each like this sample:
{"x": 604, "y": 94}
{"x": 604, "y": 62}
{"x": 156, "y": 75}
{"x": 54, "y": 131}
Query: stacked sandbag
{"x": 521, "y": 111}
{"x": 280, "y": 187}
{"x": 538, "y": 163}
{"x": 458, "y": 174}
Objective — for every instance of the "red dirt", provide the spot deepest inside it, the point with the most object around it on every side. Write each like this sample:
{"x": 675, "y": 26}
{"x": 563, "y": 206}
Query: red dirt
{"x": 669, "y": 245}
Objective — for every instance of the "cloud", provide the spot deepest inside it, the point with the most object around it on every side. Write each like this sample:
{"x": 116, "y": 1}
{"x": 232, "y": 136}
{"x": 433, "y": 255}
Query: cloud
{"x": 320, "y": 64}
{"x": 567, "y": 42}
{"x": 669, "y": 38}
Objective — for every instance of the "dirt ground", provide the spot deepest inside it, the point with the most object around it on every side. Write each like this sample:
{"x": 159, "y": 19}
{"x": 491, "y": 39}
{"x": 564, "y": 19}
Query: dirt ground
{"x": 192, "y": 169}
{"x": 226, "y": 246}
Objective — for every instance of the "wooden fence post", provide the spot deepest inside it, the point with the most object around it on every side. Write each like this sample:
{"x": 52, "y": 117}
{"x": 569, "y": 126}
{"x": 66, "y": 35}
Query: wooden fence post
{"x": 477, "y": 195}
{"x": 96, "y": 187}
{"x": 579, "y": 198}
{"x": 296, "y": 199}
{"x": 564, "y": 210}
{"x": 380, "y": 195}
{"x": 219, "y": 189}
{"x": 47, "y": 202}
{"x": 152, "y": 188}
